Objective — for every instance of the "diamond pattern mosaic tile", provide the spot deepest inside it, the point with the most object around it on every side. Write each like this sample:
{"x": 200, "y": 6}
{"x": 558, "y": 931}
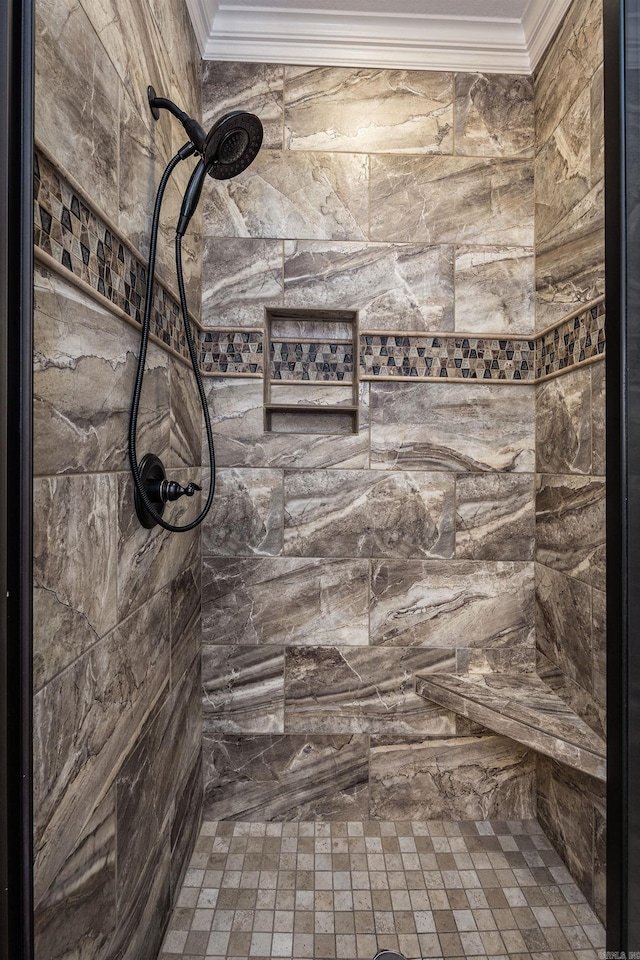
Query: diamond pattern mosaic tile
{"x": 572, "y": 341}
{"x": 462, "y": 358}
{"x": 311, "y": 361}
{"x": 231, "y": 351}
{"x": 346, "y": 890}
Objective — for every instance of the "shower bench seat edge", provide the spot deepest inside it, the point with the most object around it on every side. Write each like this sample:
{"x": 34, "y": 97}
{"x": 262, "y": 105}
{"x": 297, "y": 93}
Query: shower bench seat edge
{"x": 522, "y": 708}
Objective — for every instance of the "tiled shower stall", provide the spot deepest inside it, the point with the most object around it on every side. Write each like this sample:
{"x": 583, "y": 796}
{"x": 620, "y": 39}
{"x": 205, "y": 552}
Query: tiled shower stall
{"x": 263, "y": 669}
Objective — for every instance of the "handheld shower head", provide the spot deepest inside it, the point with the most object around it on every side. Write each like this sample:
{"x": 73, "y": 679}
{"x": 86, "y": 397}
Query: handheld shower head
{"x": 232, "y": 144}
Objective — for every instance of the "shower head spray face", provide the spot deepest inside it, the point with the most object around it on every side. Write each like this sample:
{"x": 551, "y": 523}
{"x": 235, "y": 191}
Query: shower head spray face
{"x": 232, "y": 144}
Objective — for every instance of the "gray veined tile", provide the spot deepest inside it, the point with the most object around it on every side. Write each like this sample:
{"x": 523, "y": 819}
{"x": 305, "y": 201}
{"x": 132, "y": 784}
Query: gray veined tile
{"x": 599, "y": 645}
{"x": 256, "y": 87}
{"x": 361, "y": 513}
{"x": 245, "y": 519}
{"x": 597, "y": 125}
{"x": 563, "y": 624}
{"x": 434, "y": 426}
{"x": 367, "y": 110}
{"x": 563, "y": 417}
{"x": 598, "y": 418}
{"x": 452, "y": 604}
{"x": 240, "y": 277}
{"x": 283, "y": 194}
{"x": 495, "y": 517}
{"x": 452, "y": 200}
{"x": 236, "y": 407}
{"x": 393, "y": 286}
{"x": 362, "y": 690}
{"x": 186, "y": 417}
{"x": 286, "y": 777}
{"x": 570, "y": 526}
{"x": 319, "y": 601}
{"x": 75, "y": 556}
{"x": 243, "y": 689}
{"x": 495, "y": 290}
{"x": 186, "y": 623}
{"x": 573, "y": 694}
{"x": 494, "y": 115}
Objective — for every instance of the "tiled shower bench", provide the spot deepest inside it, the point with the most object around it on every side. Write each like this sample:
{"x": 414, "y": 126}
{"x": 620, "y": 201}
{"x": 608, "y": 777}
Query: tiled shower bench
{"x": 522, "y": 708}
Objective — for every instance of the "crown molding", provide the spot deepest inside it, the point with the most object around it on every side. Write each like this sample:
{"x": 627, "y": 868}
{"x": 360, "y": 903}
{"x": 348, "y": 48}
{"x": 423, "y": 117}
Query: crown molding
{"x": 389, "y": 40}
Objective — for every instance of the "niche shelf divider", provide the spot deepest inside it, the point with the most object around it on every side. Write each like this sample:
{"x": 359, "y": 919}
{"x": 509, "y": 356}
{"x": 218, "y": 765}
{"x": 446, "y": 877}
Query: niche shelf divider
{"x": 317, "y": 350}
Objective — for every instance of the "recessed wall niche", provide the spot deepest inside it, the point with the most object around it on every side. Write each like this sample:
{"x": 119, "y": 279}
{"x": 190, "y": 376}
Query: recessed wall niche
{"x": 311, "y": 381}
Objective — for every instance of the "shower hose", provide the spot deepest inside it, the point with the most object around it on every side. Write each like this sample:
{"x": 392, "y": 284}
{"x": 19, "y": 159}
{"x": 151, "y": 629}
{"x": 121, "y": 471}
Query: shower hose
{"x": 182, "y": 154}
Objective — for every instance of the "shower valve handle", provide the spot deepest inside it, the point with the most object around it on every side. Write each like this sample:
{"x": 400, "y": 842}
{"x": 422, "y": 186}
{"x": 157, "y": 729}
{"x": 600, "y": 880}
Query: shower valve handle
{"x": 171, "y": 490}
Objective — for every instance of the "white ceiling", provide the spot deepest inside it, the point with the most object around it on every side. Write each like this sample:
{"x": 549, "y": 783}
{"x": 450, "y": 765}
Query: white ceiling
{"x": 496, "y": 36}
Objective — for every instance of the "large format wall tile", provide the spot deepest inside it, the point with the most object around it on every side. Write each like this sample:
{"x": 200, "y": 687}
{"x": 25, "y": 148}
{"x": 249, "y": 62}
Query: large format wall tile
{"x": 255, "y": 87}
{"x": 283, "y": 194}
{"x": 285, "y": 601}
{"x": 236, "y": 407}
{"x": 76, "y": 91}
{"x": 563, "y": 417}
{"x": 363, "y": 690}
{"x": 452, "y": 200}
{"x": 186, "y": 417}
{"x": 495, "y": 517}
{"x": 563, "y": 624}
{"x": 467, "y": 778}
{"x": 75, "y": 554}
{"x": 368, "y": 110}
{"x": 393, "y": 286}
{"x": 494, "y": 115}
{"x": 84, "y": 722}
{"x": 368, "y": 514}
{"x": 149, "y": 559}
{"x": 436, "y": 426}
{"x": 246, "y": 517}
{"x": 243, "y": 689}
{"x": 570, "y": 526}
{"x": 495, "y": 290}
{"x": 286, "y": 777}
{"x": 240, "y": 277}
{"x": 186, "y": 623}
{"x": 457, "y": 603}
{"x": 598, "y": 419}
{"x": 76, "y": 917}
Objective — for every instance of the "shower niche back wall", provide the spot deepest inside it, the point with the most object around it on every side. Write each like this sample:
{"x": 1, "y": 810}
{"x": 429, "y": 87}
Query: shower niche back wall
{"x": 463, "y": 223}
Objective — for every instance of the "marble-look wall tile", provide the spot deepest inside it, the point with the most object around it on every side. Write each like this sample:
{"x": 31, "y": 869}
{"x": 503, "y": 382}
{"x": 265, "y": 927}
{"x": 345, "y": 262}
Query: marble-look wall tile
{"x": 568, "y": 66}
{"x": 149, "y": 559}
{"x": 434, "y": 426}
{"x": 76, "y": 98}
{"x": 563, "y": 418}
{"x": 393, "y": 286}
{"x": 255, "y": 87}
{"x": 600, "y": 861}
{"x": 319, "y": 601}
{"x": 142, "y": 918}
{"x": 573, "y": 694}
{"x": 570, "y": 526}
{"x": 598, "y": 419}
{"x": 597, "y": 125}
{"x": 186, "y": 622}
{"x": 567, "y": 801}
{"x": 186, "y": 417}
{"x": 363, "y": 690}
{"x": 236, "y": 408}
{"x": 76, "y": 917}
{"x": 457, "y": 603}
{"x": 563, "y": 167}
{"x": 467, "y": 778}
{"x": 563, "y": 624}
{"x": 246, "y": 517}
{"x": 368, "y": 110}
{"x": 240, "y": 277}
{"x": 286, "y": 777}
{"x": 243, "y": 689}
{"x": 185, "y": 828}
{"x": 489, "y": 660}
{"x": 494, "y": 115}
{"x": 452, "y": 200}
{"x": 599, "y": 645}
{"x": 75, "y": 555}
{"x": 283, "y": 194}
{"x": 84, "y": 722}
{"x": 495, "y": 517}
{"x": 495, "y": 290}
{"x": 183, "y": 54}
{"x": 368, "y": 514}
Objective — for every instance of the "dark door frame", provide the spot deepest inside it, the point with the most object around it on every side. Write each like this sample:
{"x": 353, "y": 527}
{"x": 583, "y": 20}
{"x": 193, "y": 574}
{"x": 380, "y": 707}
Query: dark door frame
{"x": 16, "y": 292}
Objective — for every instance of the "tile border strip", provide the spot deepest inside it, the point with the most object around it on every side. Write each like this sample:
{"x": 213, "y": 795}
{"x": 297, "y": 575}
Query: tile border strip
{"x": 79, "y": 242}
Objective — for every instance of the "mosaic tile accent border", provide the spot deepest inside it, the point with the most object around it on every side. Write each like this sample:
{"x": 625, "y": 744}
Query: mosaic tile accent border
{"x": 311, "y": 361}
{"x": 459, "y": 358}
{"x": 231, "y": 351}
{"x": 75, "y": 236}
{"x": 572, "y": 341}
